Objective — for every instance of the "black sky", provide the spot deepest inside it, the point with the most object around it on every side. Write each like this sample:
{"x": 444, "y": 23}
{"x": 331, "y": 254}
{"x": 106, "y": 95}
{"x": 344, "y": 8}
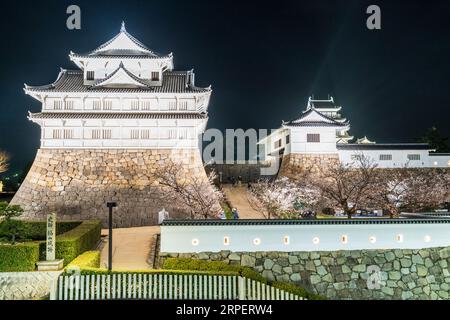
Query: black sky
{"x": 263, "y": 59}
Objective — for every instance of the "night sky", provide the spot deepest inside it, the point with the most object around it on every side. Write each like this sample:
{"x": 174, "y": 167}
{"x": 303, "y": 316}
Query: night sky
{"x": 263, "y": 60}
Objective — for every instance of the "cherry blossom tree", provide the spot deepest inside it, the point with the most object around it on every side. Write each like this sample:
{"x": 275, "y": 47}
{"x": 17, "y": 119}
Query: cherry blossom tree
{"x": 198, "y": 194}
{"x": 282, "y": 198}
{"x": 346, "y": 186}
{"x": 406, "y": 189}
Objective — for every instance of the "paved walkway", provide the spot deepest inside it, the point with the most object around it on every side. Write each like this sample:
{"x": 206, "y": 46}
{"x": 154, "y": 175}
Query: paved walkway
{"x": 238, "y": 199}
{"x": 131, "y": 247}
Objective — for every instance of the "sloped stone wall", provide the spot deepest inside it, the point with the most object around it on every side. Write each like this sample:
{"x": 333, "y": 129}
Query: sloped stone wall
{"x": 293, "y": 165}
{"x": 26, "y": 285}
{"x": 76, "y": 184}
{"x": 358, "y": 274}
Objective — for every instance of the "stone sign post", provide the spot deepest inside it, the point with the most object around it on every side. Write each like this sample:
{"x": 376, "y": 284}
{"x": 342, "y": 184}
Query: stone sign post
{"x": 51, "y": 264}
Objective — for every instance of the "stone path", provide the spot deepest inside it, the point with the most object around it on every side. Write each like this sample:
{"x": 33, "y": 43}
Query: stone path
{"x": 238, "y": 199}
{"x": 131, "y": 247}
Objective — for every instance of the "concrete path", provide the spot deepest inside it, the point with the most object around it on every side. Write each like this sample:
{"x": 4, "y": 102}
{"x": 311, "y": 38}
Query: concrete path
{"x": 131, "y": 248}
{"x": 238, "y": 199}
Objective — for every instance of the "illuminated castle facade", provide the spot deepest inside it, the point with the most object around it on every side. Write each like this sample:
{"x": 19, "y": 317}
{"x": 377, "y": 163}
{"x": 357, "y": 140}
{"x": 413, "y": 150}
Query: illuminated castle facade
{"x": 106, "y": 126}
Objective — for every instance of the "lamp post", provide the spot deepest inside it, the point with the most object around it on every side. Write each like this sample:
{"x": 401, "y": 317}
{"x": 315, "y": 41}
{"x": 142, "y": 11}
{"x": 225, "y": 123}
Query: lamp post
{"x": 110, "y": 205}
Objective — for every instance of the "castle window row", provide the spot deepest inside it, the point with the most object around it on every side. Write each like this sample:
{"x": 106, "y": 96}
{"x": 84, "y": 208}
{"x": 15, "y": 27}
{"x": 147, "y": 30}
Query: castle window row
{"x": 133, "y": 134}
{"x": 125, "y": 104}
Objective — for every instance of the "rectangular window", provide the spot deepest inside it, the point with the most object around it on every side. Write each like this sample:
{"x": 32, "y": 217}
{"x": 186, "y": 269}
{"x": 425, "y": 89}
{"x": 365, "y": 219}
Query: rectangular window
{"x": 145, "y": 134}
{"x": 288, "y": 139}
{"x": 57, "y": 104}
{"x": 135, "y": 105}
{"x": 385, "y": 157}
{"x": 107, "y": 134}
{"x": 413, "y": 156}
{"x": 57, "y": 133}
{"x": 146, "y": 105}
{"x": 172, "y": 105}
{"x": 96, "y": 134}
{"x": 90, "y": 75}
{"x": 172, "y": 133}
{"x": 183, "y": 105}
{"x": 155, "y": 76}
{"x": 313, "y": 137}
{"x": 97, "y": 105}
{"x": 68, "y": 133}
{"x": 69, "y": 105}
{"x": 134, "y": 134}
{"x": 107, "y": 105}
{"x": 277, "y": 144}
{"x": 183, "y": 133}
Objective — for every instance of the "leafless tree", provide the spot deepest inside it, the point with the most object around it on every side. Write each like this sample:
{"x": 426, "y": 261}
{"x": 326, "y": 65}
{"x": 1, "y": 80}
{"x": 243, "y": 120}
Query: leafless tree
{"x": 198, "y": 194}
{"x": 346, "y": 186}
{"x": 4, "y": 161}
{"x": 410, "y": 189}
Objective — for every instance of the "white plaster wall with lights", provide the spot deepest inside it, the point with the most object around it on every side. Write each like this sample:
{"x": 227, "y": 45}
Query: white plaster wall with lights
{"x": 303, "y": 237}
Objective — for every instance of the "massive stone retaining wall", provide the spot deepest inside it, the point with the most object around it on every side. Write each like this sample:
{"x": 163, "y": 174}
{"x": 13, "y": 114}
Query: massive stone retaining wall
{"x": 294, "y": 164}
{"x": 77, "y": 184}
{"x": 399, "y": 274}
{"x": 26, "y": 285}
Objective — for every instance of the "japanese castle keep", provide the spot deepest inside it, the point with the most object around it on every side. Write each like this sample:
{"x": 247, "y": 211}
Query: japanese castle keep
{"x": 105, "y": 128}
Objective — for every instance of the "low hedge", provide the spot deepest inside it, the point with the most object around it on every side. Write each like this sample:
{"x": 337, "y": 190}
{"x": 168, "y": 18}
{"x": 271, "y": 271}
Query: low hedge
{"x": 74, "y": 242}
{"x": 37, "y": 230}
{"x": 19, "y": 257}
{"x": 88, "y": 259}
{"x": 211, "y": 266}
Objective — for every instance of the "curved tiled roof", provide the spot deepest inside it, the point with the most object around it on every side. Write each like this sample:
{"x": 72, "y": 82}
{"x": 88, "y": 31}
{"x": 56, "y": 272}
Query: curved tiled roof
{"x": 72, "y": 81}
{"x": 118, "y": 115}
{"x": 121, "y": 67}
{"x": 123, "y": 31}
{"x": 384, "y": 146}
{"x": 119, "y": 54}
{"x": 259, "y": 222}
{"x": 325, "y": 122}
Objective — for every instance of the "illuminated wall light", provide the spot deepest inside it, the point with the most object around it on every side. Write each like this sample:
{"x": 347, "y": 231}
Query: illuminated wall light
{"x": 286, "y": 240}
{"x": 316, "y": 240}
{"x": 399, "y": 238}
{"x": 257, "y": 241}
{"x": 226, "y": 241}
{"x": 344, "y": 239}
{"x": 427, "y": 238}
{"x": 435, "y": 163}
{"x": 195, "y": 242}
{"x": 372, "y": 239}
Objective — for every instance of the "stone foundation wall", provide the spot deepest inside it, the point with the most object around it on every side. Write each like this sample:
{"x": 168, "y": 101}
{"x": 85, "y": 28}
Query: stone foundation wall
{"x": 403, "y": 274}
{"x": 26, "y": 285}
{"x": 292, "y": 165}
{"x": 76, "y": 184}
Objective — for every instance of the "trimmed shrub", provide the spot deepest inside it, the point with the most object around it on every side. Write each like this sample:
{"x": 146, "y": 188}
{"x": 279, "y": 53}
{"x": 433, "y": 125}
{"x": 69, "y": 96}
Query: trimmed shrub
{"x": 71, "y": 244}
{"x": 88, "y": 259}
{"x": 19, "y": 257}
{"x": 211, "y": 266}
{"x": 37, "y": 230}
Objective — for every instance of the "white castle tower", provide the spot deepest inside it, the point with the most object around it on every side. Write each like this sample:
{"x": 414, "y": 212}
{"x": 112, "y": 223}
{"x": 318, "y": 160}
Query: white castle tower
{"x": 106, "y": 126}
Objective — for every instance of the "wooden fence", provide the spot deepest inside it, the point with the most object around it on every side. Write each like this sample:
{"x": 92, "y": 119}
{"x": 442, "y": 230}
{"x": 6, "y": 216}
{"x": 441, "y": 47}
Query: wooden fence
{"x": 164, "y": 286}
